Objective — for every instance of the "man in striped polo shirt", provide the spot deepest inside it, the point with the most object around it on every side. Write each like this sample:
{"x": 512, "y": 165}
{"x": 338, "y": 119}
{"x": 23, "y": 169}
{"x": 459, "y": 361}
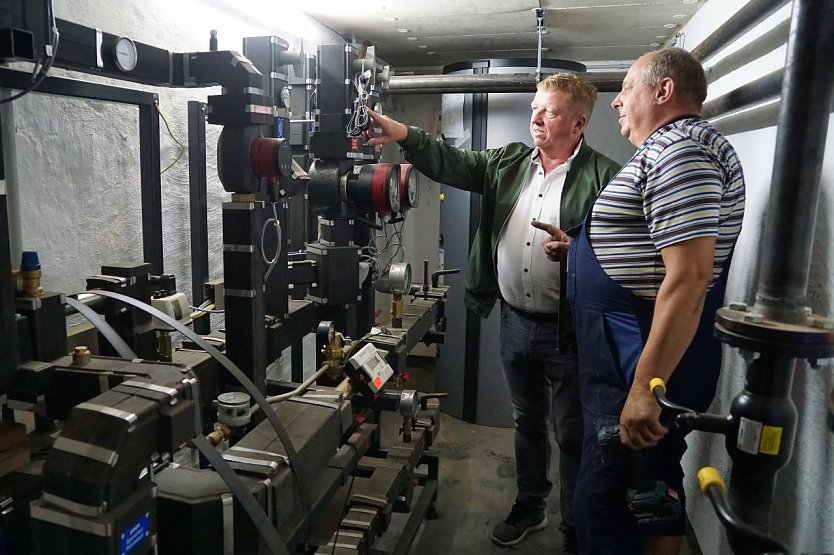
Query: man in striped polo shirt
{"x": 646, "y": 273}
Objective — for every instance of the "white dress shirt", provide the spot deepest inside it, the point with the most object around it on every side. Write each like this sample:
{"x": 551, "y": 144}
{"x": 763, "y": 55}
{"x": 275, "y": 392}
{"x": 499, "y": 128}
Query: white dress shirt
{"x": 527, "y": 279}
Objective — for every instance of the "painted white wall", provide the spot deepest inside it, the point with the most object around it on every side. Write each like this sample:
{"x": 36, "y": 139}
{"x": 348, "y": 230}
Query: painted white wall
{"x": 78, "y": 161}
{"x": 802, "y": 515}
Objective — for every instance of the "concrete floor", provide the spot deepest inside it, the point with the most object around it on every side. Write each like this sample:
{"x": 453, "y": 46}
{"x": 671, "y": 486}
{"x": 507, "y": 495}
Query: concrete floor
{"x": 476, "y": 492}
{"x": 477, "y": 488}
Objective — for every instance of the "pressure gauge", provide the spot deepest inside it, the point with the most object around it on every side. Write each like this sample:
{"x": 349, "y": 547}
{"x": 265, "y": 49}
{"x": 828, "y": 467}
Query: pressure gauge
{"x": 125, "y": 54}
{"x": 399, "y": 278}
{"x": 394, "y": 189}
{"x": 325, "y": 332}
{"x": 285, "y": 97}
{"x": 409, "y": 186}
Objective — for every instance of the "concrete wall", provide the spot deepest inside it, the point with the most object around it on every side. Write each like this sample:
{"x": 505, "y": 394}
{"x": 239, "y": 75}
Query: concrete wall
{"x": 802, "y": 514}
{"x": 78, "y": 161}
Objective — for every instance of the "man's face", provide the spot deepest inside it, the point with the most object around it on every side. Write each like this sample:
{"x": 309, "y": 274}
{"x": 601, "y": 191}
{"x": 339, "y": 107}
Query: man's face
{"x": 552, "y": 121}
{"x": 636, "y": 104}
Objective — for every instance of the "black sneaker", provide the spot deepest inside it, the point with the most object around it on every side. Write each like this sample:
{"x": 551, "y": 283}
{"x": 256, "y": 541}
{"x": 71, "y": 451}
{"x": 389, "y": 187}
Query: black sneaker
{"x": 569, "y": 544}
{"x": 520, "y": 522}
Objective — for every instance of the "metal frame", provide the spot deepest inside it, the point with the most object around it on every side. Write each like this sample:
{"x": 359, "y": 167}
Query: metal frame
{"x": 149, "y": 164}
{"x": 198, "y": 204}
{"x": 471, "y": 369}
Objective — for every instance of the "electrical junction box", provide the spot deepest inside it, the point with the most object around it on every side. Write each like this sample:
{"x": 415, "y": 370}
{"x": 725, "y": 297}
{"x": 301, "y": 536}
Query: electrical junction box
{"x": 175, "y": 306}
{"x": 370, "y": 368}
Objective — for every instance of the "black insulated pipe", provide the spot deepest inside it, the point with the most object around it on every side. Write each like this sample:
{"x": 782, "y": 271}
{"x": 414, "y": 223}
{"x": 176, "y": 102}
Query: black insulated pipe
{"x": 755, "y": 92}
{"x": 806, "y": 97}
{"x": 753, "y": 13}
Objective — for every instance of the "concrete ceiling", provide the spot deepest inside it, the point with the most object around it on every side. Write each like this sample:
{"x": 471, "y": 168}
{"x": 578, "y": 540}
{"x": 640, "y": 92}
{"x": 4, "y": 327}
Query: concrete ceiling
{"x": 423, "y": 35}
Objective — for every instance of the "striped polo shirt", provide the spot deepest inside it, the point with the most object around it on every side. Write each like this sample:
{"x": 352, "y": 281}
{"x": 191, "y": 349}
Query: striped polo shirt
{"x": 684, "y": 182}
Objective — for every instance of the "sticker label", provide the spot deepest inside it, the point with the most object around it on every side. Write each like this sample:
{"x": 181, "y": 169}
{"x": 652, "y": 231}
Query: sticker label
{"x": 133, "y": 536}
{"x": 749, "y": 436}
{"x": 771, "y": 440}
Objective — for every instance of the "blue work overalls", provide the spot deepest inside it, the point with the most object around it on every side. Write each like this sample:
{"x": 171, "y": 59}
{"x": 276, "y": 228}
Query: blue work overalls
{"x": 612, "y": 325}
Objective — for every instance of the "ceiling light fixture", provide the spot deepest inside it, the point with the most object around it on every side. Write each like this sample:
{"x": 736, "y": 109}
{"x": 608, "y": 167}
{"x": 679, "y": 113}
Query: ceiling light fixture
{"x": 661, "y": 37}
{"x": 422, "y": 46}
{"x": 401, "y": 30}
{"x": 412, "y": 38}
{"x": 670, "y": 25}
{"x": 389, "y": 19}
{"x": 690, "y": 1}
{"x": 654, "y": 44}
{"x": 679, "y": 16}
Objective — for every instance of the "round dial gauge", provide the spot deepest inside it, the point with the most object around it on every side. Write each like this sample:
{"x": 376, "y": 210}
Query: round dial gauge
{"x": 394, "y": 189}
{"x": 125, "y": 54}
{"x": 411, "y": 179}
{"x": 399, "y": 278}
{"x": 285, "y": 97}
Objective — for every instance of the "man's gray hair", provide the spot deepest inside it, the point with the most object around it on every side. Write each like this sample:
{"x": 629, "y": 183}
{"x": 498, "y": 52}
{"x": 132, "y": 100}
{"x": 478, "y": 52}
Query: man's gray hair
{"x": 582, "y": 94}
{"x": 682, "y": 68}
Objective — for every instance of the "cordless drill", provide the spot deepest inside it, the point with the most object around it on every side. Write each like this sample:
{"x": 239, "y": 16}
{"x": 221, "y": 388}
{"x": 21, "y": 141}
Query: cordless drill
{"x": 650, "y": 501}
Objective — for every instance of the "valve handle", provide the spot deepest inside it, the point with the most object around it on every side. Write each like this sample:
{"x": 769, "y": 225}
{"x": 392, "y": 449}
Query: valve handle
{"x": 709, "y": 476}
{"x": 655, "y": 383}
{"x": 738, "y": 531}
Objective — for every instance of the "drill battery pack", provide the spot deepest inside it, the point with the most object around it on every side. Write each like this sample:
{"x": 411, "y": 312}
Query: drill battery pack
{"x": 650, "y": 501}
{"x": 655, "y": 502}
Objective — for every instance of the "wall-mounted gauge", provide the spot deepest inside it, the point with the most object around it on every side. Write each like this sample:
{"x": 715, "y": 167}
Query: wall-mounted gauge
{"x": 125, "y": 54}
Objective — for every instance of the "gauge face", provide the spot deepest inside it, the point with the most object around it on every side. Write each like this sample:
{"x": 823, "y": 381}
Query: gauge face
{"x": 394, "y": 189}
{"x": 411, "y": 187}
{"x": 399, "y": 277}
{"x": 286, "y": 98}
{"x": 125, "y": 54}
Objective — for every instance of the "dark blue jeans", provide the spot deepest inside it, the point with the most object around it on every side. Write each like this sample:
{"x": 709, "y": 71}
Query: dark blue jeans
{"x": 543, "y": 387}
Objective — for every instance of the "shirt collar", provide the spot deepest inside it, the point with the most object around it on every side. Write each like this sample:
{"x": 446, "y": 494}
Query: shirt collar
{"x": 670, "y": 125}
{"x": 536, "y": 153}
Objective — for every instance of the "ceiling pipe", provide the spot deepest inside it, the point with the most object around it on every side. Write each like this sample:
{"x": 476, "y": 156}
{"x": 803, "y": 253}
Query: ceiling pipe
{"x": 753, "y": 13}
{"x": 489, "y": 83}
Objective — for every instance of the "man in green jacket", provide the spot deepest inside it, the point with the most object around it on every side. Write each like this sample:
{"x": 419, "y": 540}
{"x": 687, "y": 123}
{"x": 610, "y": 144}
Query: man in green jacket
{"x": 553, "y": 182}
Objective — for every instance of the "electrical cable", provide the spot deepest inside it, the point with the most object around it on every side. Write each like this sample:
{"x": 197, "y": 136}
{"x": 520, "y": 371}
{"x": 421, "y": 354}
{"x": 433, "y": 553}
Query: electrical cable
{"x": 39, "y": 75}
{"x": 292, "y": 454}
{"x": 277, "y": 224}
{"x": 102, "y": 326}
{"x": 179, "y": 144}
{"x": 359, "y": 118}
{"x": 207, "y": 309}
{"x": 303, "y": 386}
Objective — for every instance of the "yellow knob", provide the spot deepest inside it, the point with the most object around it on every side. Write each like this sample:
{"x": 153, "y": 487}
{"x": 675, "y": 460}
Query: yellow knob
{"x": 657, "y": 382}
{"x": 442, "y": 197}
{"x": 709, "y": 476}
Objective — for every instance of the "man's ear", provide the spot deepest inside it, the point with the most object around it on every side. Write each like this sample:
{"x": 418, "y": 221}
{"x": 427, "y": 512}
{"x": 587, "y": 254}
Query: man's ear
{"x": 664, "y": 91}
{"x": 580, "y": 123}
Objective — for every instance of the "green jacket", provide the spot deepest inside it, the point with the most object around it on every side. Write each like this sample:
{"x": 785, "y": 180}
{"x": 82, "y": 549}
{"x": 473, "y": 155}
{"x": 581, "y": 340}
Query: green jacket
{"x": 498, "y": 174}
